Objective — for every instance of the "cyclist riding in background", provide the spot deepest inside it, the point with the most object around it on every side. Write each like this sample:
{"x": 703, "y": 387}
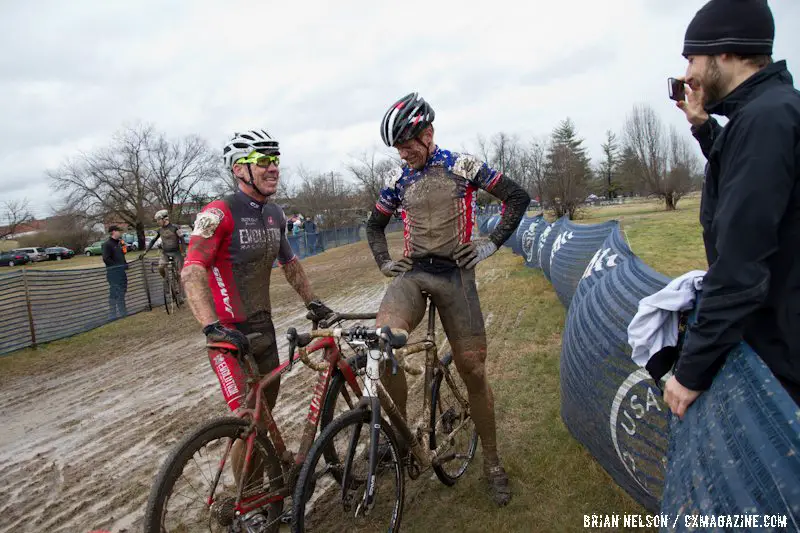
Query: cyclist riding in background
{"x": 171, "y": 242}
{"x": 234, "y": 245}
{"x": 435, "y": 193}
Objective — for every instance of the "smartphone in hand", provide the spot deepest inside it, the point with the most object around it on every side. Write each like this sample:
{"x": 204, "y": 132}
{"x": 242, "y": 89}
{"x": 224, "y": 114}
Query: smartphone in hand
{"x": 677, "y": 89}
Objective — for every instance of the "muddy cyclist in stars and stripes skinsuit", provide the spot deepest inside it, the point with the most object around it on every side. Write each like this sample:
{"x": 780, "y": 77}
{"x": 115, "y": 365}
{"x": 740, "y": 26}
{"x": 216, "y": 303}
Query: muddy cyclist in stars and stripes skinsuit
{"x": 435, "y": 193}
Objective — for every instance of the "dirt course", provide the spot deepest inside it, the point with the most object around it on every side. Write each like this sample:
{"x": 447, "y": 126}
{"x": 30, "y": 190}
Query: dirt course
{"x": 84, "y": 435}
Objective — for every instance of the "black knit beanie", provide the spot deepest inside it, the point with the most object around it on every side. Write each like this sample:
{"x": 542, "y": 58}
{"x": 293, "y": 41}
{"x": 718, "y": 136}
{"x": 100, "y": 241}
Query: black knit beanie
{"x": 742, "y": 27}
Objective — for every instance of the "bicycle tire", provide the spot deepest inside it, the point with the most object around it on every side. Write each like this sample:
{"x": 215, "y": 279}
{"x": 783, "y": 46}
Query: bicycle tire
{"x": 445, "y": 477}
{"x": 169, "y": 301}
{"x": 176, "y": 288}
{"x": 306, "y": 481}
{"x": 337, "y": 385}
{"x": 184, "y": 451}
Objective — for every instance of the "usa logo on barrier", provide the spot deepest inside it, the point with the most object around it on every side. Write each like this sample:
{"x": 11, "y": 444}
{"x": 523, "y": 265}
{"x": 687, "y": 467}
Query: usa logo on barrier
{"x": 638, "y": 422}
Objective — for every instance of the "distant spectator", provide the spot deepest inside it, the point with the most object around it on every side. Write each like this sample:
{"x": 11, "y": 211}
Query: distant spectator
{"x": 114, "y": 258}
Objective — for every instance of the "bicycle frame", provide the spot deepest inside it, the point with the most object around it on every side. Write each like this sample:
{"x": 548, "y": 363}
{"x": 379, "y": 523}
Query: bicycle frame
{"x": 260, "y": 415}
{"x": 376, "y": 397}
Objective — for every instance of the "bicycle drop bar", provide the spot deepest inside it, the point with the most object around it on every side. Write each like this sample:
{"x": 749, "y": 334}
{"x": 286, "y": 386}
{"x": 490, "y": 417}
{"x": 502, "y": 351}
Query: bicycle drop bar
{"x": 338, "y": 317}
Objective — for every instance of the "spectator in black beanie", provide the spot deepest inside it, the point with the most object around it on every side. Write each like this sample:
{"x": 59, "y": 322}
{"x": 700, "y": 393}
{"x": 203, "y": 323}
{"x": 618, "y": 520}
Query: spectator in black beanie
{"x": 750, "y": 210}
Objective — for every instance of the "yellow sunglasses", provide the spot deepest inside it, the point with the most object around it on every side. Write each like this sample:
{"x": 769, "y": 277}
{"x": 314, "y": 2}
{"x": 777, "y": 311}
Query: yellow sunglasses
{"x": 260, "y": 160}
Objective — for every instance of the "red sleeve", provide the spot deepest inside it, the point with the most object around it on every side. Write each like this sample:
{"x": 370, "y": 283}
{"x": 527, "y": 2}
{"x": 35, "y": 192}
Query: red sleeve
{"x": 211, "y": 227}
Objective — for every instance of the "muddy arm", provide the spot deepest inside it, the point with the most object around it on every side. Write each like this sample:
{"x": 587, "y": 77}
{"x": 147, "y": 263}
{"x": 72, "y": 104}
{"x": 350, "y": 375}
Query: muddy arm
{"x": 195, "y": 282}
{"x": 297, "y": 278}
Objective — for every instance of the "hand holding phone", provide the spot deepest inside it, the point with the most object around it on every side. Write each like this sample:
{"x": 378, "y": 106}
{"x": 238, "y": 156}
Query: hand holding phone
{"x": 677, "y": 89}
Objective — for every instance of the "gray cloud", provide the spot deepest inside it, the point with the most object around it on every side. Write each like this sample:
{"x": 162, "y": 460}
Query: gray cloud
{"x": 319, "y": 75}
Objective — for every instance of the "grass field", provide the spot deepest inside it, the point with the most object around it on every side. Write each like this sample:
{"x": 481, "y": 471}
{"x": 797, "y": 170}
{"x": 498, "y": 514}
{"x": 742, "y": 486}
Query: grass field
{"x": 555, "y": 480}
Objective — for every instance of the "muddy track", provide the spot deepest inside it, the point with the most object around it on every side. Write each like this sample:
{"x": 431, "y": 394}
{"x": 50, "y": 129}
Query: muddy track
{"x": 82, "y": 441}
{"x": 79, "y": 449}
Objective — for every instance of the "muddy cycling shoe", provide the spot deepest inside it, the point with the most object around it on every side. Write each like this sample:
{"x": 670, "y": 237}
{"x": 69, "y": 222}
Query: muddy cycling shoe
{"x": 498, "y": 484}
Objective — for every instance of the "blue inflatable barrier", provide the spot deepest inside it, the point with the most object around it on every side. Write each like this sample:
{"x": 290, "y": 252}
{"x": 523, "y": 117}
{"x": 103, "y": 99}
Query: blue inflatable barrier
{"x": 529, "y": 241}
{"x": 737, "y": 449}
{"x": 546, "y": 242}
{"x": 608, "y": 403}
{"x": 572, "y": 251}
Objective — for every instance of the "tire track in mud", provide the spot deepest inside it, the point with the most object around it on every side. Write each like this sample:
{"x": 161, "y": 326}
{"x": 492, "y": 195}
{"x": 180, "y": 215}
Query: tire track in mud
{"x": 79, "y": 450}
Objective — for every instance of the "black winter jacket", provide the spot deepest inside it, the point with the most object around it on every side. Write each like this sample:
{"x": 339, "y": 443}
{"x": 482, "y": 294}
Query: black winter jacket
{"x": 750, "y": 213}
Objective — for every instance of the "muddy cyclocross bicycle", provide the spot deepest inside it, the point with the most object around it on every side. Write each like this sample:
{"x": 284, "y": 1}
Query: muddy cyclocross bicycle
{"x": 362, "y": 488}
{"x": 205, "y": 485}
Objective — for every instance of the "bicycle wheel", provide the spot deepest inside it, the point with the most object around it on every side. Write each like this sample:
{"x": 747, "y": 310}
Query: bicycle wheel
{"x": 323, "y": 504}
{"x": 169, "y": 301}
{"x": 176, "y": 289}
{"x": 196, "y": 489}
{"x": 339, "y": 399}
{"x": 447, "y": 413}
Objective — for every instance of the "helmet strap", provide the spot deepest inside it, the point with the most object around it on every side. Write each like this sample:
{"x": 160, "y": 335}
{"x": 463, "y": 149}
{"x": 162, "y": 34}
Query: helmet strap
{"x": 252, "y": 182}
{"x": 426, "y": 146}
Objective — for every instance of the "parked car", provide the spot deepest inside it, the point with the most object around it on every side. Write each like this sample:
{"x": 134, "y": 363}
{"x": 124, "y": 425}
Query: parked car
{"x": 57, "y": 253}
{"x": 96, "y": 248}
{"x": 131, "y": 241}
{"x": 36, "y": 254}
{"x": 13, "y": 258}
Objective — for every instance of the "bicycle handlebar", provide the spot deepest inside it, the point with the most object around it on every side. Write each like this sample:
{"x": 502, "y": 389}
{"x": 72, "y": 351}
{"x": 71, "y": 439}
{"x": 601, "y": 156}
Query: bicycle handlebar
{"x": 389, "y": 338}
{"x": 339, "y": 317}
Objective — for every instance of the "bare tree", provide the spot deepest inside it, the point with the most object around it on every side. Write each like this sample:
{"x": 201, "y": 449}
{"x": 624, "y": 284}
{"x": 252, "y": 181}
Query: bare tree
{"x": 111, "y": 182}
{"x": 534, "y": 164}
{"x": 180, "y": 171}
{"x": 647, "y": 140}
{"x": 506, "y": 154}
{"x": 684, "y": 166}
{"x": 13, "y": 215}
{"x": 72, "y": 229}
{"x": 329, "y": 195}
{"x": 372, "y": 174}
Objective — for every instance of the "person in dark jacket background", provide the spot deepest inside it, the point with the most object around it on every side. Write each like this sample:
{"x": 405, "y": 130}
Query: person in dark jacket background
{"x": 750, "y": 210}
{"x": 114, "y": 258}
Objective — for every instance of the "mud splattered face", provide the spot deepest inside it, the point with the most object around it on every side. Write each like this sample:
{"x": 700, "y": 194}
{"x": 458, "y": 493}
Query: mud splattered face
{"x": 415, "y": 152}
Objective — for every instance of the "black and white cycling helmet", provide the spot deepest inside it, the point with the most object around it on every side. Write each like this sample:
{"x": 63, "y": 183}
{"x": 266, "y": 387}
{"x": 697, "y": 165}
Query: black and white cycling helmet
{"x": 406, "y": 119}
{"x": 243, "y": 143}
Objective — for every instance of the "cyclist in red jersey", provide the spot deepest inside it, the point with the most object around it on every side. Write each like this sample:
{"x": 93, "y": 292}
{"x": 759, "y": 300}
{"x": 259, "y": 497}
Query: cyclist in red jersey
{"x": 435, "y": 194}
{"x": 234, "y": 245}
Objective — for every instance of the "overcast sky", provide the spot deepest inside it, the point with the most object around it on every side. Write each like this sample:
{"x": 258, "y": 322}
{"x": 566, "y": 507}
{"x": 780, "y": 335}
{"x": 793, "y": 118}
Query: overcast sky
{"x": 319, "y": 75}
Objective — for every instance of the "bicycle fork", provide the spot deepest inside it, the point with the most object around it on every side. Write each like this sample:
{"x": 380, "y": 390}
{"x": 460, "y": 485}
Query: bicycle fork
{"x": 370, "y": 400}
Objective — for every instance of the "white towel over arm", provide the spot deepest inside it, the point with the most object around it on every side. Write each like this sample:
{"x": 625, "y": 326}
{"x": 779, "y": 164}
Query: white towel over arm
{"x": 655, "y": 324}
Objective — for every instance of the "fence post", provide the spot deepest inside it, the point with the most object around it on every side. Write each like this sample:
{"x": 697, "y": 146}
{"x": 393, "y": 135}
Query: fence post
{"x": 146, "y": 287}
{"x": 28, "y": 303}
{"x": 305, "y": 243}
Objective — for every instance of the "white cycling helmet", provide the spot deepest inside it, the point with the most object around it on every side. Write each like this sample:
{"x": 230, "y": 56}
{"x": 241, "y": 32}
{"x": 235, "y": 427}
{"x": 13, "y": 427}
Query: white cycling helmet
{"x": 243, "y": 143}
{"x": 160, "y": 215}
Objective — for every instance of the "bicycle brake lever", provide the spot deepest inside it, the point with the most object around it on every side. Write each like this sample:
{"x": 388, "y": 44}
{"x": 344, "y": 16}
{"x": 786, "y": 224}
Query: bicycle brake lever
{"x": 385, "y": 336}
{"x": 291, "y": 335}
